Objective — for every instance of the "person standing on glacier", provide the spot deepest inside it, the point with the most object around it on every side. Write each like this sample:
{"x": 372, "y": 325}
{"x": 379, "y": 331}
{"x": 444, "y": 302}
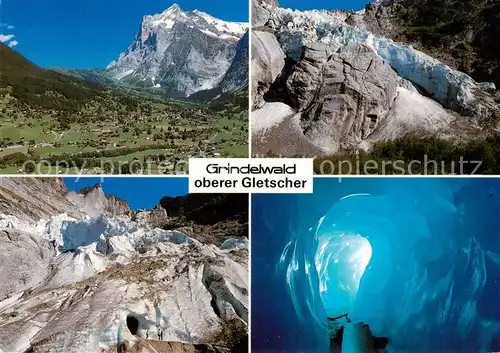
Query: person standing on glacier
{"x": 158, "y": 319}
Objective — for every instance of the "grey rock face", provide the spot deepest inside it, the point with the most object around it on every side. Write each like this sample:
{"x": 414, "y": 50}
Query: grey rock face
{"x": 268, "y": 60}
{"x": 19, "y": 197}
{"x": 236, "y": 77}
{"x": 342, "y": 96}
{"x": 24, "y": 260}
{"x": 260, "y": 13}
{"x": 181, "y": 52}
{"x": 94, "y": 202}
{"x": 157, "y": 217}
{"x": 116, "y": 206}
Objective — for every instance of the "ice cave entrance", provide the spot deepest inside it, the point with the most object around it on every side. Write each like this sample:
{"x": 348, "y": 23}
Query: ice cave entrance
{"x": 341, "y": 260}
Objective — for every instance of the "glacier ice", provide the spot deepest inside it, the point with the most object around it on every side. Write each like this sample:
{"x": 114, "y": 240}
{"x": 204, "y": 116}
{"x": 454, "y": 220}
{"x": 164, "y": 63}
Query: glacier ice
{"x": 69, "y": 234}
{"x": 235, "y": 244}
{"x": 340, "y": 260}
{"x": 431, "y": 283}
{"x": 106, "y": 271}
{"x": 294, "y": 29}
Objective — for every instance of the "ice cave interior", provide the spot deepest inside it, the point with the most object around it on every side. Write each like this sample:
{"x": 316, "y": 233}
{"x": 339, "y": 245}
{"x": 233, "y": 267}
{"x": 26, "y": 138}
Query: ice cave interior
{"x": 415, "y": 259}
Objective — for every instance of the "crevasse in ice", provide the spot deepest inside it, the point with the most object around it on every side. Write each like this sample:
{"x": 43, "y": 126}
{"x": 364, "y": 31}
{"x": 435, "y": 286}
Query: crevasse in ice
{"x": 433, "y": 278}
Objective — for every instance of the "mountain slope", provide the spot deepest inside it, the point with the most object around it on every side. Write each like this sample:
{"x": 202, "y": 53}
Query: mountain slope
{"x": 210, "y": 218}
{"x": 236, "y": 77}
{"x": 233, "y": 85}
{"x": 43, "y": 88}
{"x": 90, "y": 75}
{"x": 180, "y": 52}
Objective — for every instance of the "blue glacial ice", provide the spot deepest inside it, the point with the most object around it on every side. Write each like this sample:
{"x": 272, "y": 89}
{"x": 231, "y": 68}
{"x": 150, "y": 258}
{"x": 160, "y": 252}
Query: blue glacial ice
{"x": 432, "y": 281}
{"x": 69, "y": 234}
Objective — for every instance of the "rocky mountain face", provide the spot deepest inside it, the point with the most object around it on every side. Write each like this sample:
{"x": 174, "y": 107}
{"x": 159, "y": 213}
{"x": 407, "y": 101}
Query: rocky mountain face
{"x": 184, "y": 53}
{"x": 81, "y": 272}
{"x": 22, "y": 199}
{"x": 236, "y": 76}
{"x": 211, "y": 219}
{"x": 325, "y": 82}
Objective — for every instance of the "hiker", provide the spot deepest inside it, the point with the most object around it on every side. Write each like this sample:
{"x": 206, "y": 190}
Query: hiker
{"x": 160, "y": 334}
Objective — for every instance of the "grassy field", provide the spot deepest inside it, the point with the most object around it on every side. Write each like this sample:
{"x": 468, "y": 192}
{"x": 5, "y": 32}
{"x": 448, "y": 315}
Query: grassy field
{"x": 110, "y": 132}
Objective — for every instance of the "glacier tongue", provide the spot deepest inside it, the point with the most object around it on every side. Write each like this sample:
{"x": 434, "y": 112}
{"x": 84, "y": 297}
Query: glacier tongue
{"x": 109, "y": 269}
{"x": 68, "y": 233}
{"x": 451, "y": 88}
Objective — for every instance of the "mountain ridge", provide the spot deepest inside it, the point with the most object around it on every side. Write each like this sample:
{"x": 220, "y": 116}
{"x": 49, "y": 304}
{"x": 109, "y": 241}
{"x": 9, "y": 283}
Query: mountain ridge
{"x": 160, "y": 56}
{"x": 29, "y": 83}
{"x": 157, "y": 65}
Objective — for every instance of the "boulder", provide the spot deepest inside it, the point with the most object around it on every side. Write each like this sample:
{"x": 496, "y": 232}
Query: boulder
{"x": 342, "y": 96}
{"x": 268, "y": 60}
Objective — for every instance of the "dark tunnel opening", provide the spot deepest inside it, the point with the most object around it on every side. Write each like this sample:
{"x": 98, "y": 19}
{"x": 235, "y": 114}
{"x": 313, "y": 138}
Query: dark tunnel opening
{"x": 132, "y": 324}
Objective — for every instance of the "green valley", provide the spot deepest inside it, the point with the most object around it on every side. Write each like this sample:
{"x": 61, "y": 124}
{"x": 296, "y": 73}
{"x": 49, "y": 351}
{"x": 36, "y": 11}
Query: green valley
{"x": 54, "y": 123}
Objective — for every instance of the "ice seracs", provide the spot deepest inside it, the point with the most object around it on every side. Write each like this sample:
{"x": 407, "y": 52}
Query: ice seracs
{"x": 451, "y": 88}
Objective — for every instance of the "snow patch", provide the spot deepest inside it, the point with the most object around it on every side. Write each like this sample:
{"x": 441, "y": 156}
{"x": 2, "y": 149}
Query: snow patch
{"x": 123, "y": 74}
{"x": 236, "y": 28}
{"x": 410, "y": 112}
{"x": 270, "y": 115}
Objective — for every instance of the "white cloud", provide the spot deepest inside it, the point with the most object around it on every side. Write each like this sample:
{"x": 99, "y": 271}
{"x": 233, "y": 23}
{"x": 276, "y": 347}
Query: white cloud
{"x": 13, "y": 43}
{"x": 6, "y": 25}
{"x": 6, "y": 37}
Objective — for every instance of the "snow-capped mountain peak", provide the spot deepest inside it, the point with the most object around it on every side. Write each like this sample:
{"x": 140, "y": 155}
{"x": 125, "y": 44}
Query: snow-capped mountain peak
{"x": 235, "y": 29}
{"x": 181, "y": 52}
{"x": 167, "y": 18}
{"x": 172, "y": 9}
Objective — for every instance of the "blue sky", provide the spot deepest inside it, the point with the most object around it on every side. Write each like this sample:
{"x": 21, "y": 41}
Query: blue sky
{"x": 138, "y": 192}
{"x": 324, "y": 4}
{"x": 90, "y": 33}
